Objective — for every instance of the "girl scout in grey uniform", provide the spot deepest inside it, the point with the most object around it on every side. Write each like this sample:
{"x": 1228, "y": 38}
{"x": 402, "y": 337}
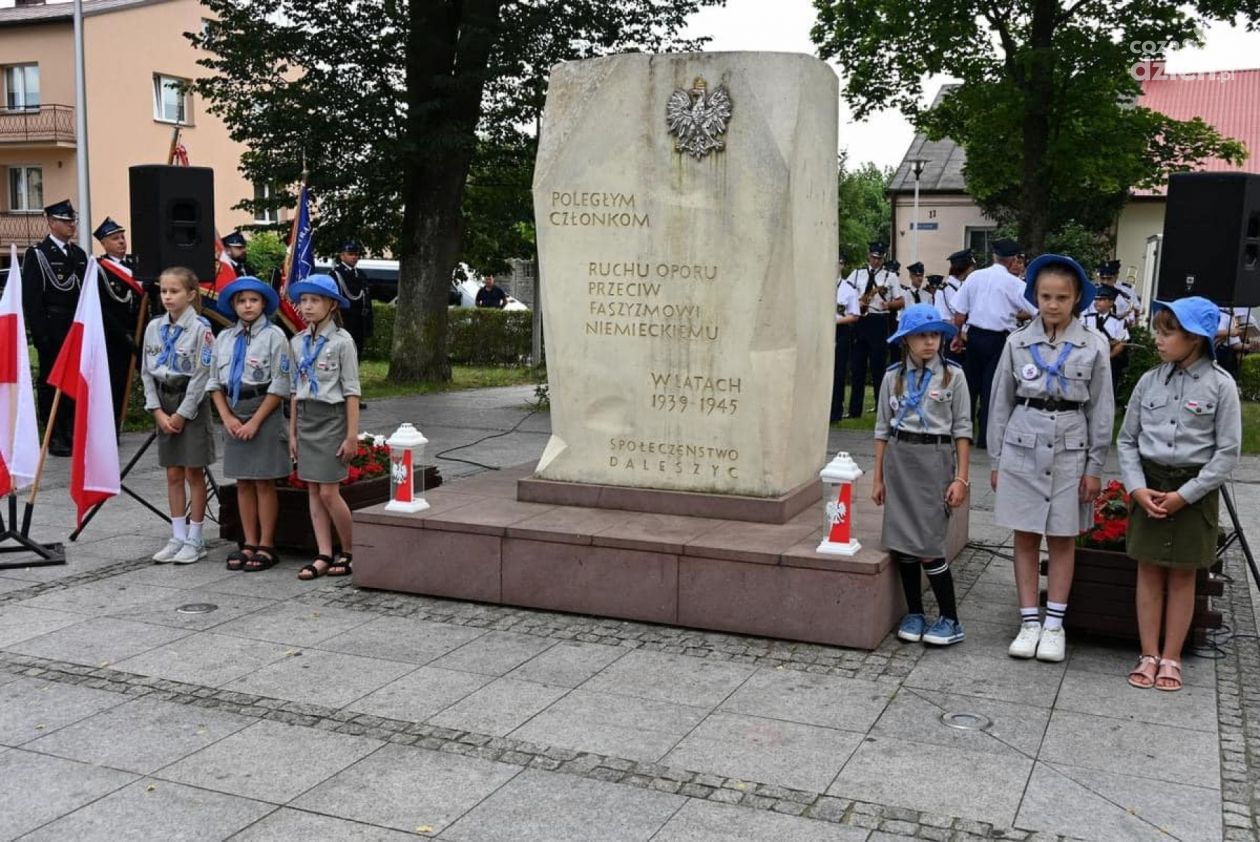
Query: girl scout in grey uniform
{"x": 1180, "y": 441}
{"x": 177, "y": 353}
{"x": 923, "y": 414}
{"x": 1049, "y": 430}
{"x": 323, "y": 424}
{"x": 249, "y": 379}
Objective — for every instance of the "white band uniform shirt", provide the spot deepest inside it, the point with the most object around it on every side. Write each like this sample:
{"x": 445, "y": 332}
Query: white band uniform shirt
{"x": 847, "y": 303}
{"x": 264, "y": 369}
{"x": 917, "y": 295}
{"x": 886, "y": 287}
{"x": 1042, "y": 453}
{"x": 920, "y": 423}
{"x": 1182, "y": 418}
{"x": 945, "y": 298}
{"x": 175, "y": 369}
{"x": 991, "y": 298}
{"x": 1109, "y": 325}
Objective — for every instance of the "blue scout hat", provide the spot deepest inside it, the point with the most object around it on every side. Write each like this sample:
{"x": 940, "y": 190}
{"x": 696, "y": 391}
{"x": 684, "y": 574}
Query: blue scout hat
{"x": 351, "y": 247}
{"x": 62, "y": 210}
{"x": 921, "y": 318}
{"x": 878, "y": 249}
{"x": 323, "y": 285}
{"x": 915, "y": 268}
{"x": 106, "y": 228}
{"x": 1041, "y": 261}
{"x": 963, "y": 256}
{"x": 1007, "y": 248}
{"x": 236, "y": 238}
{"x": 1196, "y": 314}
{"x": 1106, "y": 291}
{"x": 248, "y": 283}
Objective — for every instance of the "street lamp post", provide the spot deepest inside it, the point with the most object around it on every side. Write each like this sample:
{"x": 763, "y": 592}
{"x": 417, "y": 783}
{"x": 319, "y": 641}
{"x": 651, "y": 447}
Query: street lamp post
{"x": 916, "y": 165}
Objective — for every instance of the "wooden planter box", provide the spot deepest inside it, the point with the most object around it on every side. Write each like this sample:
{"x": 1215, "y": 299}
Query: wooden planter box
{"x": 293, "y": 524}
{"x": 1104, "y": 594}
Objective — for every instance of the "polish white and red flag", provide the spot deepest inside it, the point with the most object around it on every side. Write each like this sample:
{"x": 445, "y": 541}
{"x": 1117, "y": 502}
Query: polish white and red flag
{"x": 19, "y": 437}
{"x": 82, "y": 374}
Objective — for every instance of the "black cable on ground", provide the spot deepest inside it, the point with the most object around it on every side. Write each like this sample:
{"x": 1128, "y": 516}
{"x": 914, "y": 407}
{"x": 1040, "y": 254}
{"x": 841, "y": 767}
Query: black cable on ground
{"x": 515, "y": 427}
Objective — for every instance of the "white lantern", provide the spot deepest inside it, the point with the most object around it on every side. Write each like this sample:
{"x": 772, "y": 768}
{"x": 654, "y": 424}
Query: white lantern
{"x": 838, "y": 477}
{"x": 406, "y": 449}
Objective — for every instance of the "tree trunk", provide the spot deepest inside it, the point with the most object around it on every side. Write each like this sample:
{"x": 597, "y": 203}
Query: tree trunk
{"x": 448, "y": 52}
{"x": 1034, "y": 209}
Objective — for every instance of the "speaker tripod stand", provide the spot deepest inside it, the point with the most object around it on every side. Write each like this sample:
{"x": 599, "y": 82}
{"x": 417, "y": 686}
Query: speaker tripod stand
{"x": 1237, "y": 536}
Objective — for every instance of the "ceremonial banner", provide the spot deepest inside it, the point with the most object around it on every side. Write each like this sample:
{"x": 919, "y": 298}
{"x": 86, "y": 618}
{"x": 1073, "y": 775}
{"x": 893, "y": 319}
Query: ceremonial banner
{"x": 82, "y": 373}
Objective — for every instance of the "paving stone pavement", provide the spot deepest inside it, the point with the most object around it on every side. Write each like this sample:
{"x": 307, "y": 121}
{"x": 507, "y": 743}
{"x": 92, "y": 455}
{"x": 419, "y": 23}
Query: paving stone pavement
{"x": 321, "y": 711}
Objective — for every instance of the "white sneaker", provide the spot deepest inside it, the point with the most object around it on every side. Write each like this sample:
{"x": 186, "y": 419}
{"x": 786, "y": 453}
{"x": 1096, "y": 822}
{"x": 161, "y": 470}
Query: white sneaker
{"x": 1025, "y": 643}
{"x": 168, "y": 552}
{"x": 1053, "y": 646}
{"x": 193, "y": 549}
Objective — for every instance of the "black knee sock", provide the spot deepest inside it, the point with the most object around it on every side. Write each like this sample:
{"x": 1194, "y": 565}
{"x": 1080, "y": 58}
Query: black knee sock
{"x": 942, "y": 582}
{"x": 908, "y": 568}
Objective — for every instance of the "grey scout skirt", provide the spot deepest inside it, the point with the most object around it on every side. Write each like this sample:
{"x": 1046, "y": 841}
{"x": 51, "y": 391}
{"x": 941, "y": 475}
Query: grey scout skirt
{"x": 1186, "y": 540}
{"x": 916, "y": 477}
{"x": 321, "y": 428}
{"x": 194, "y": 446}
{"x": 266, "y": 455}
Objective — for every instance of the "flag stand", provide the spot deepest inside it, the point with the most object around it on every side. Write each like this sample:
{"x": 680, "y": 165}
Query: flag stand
{"x": 49, "y": 554}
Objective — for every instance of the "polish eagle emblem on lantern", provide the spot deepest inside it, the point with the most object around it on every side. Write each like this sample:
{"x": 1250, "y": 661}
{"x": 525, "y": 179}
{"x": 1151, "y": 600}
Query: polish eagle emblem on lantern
{"x": 697, "y": 118}
{"x": 836, "y": 512}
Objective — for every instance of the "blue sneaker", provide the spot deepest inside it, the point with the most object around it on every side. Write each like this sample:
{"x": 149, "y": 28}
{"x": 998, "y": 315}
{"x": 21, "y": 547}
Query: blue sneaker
{"x": 912, "y": 628}
{"x": 944, "y": 632}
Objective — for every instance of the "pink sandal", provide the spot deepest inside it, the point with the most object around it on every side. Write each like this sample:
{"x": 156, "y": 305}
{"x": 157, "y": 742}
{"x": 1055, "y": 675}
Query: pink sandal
{"x": 1166, "y": 673}
{"x": 1142, "y": 676}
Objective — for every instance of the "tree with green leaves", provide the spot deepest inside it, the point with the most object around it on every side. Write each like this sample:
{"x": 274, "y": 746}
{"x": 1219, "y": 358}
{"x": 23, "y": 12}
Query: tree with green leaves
{"x": 1046, "y": 105}
{"x": 865, "y": 212}
{"x": 390, "y": 103}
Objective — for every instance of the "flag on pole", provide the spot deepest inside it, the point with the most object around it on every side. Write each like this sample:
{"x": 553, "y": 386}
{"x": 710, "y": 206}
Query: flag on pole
{"x": 298, "y": 262}
{"x": 224, "y": 272}
{"x": 82, "y": 373}
{"x": 19, "y": 436}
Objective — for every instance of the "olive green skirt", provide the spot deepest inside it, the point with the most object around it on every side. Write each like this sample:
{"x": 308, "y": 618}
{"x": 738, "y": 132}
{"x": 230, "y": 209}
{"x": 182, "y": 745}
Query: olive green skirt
{"x": 1186, "y": 540}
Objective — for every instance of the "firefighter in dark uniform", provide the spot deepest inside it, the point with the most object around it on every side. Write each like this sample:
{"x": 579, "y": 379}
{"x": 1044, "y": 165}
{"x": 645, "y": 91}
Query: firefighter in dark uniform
{"x": 52, "y": 278}
{"x": 120, "y": 307}
{"x": 354, "y": 286}
{"x": 234, "y": 244}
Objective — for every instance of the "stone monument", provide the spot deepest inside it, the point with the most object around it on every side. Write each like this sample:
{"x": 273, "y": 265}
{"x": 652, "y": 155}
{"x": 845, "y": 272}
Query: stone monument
{"x": 686, "y": 218}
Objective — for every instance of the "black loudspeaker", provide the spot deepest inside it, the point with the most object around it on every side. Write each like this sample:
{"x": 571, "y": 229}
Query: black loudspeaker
{"x": 172, "y": 219}
{"x": 1211, "y": 241}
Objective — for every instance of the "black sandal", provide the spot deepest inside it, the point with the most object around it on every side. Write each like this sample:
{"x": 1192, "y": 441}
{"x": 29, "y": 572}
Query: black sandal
{"x": 264, "y": 558}
{"x": 237, "y": 558}
{"x": 315, "y": 571}
{"x": 342, "y": 564}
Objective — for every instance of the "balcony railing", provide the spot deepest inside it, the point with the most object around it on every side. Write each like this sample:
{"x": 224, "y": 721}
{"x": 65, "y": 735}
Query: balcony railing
{"x": 24, "y": 229}
{"x": 38, "y": 124}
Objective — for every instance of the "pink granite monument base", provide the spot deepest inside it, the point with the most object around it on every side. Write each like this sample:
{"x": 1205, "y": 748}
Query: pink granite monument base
{"x": 478, "y": 542}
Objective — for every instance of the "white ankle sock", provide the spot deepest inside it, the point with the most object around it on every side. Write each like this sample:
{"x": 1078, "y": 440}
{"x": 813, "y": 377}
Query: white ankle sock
{"x": 194, "y": 531}
{"x": 1054, "y": 615}
{"x": 1029, "y": 616}
{"x": 179, "y": 529}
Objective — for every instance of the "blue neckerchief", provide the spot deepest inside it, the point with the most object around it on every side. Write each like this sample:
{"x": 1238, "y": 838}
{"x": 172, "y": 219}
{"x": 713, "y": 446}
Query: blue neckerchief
{"x": 170, "y": 335}
{"x": 237, "y": 371}
{"x": 1053, "y": 372}
{"x": 913, "y": 397}
{"x": 308, "y": 360}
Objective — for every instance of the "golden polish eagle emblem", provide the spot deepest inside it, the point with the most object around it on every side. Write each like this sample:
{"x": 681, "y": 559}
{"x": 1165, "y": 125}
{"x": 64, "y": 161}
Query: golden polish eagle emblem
{"x": 697, "y": 118}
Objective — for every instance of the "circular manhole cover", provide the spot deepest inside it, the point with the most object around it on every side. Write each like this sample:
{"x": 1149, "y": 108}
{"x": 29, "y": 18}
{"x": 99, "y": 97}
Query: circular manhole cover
{"x": 197, "y": 608}
{"x": 966, "y": 721}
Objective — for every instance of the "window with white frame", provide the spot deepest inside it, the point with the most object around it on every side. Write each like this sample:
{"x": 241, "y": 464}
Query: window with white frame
{"x": 26, "y": 188}
{"x": 264, "y": 193}
{"x": 21, "y": 86}
{"x": 170, "y": 99}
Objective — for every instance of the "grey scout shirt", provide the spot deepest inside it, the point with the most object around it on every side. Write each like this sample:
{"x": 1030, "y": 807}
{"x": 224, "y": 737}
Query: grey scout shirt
{"x": 1182, "y": 418}
{"x": 266, "y": 358}
{"x": 190, "y": 361}
{"x": 1086, "y": 380}
{"x": 947, "y": 408}
{"x": 335, "y": 369}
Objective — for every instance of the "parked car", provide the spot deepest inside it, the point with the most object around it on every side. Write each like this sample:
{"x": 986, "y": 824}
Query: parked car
{"x": 382, "y": 276}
